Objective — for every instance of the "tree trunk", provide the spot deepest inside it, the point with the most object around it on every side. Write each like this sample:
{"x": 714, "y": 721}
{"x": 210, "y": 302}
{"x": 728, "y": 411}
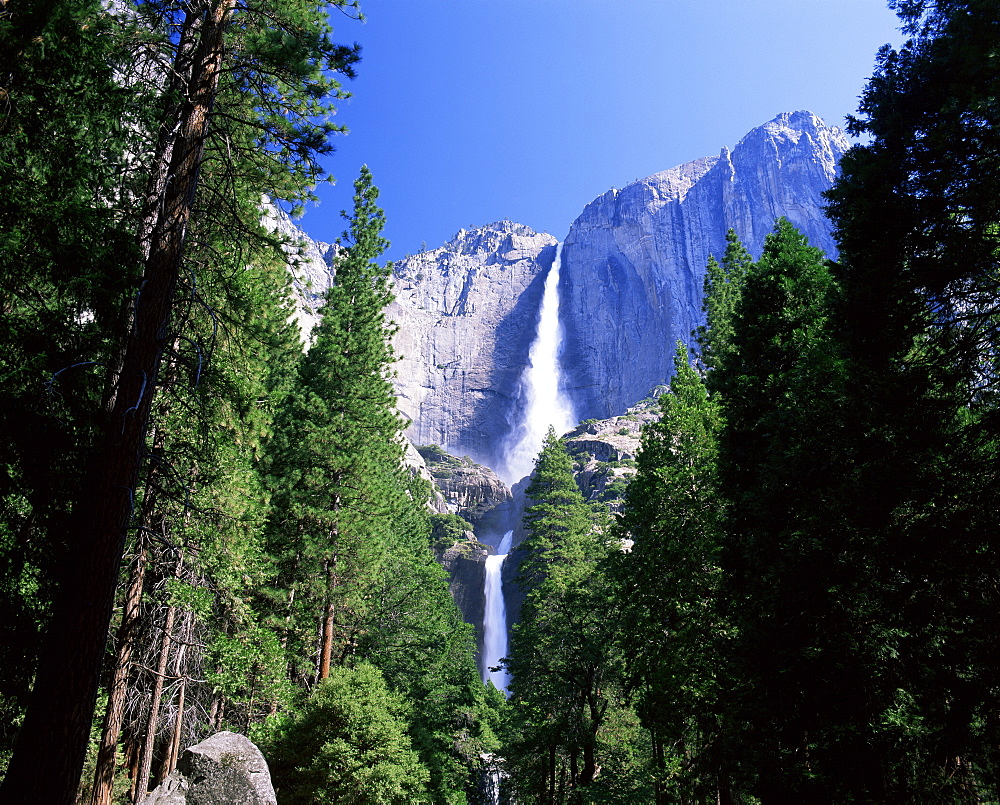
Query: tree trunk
{"x": 552, "y": 773}
{"x": 180, "y": 673}
{"x": 104, "y": 774}
{"x": 175, "y": 743}
{"x": 49, "y": 753}
{"x": 329, "y": 611}
{"x": 659, "y": 795}
{"x": 146, "y": 765}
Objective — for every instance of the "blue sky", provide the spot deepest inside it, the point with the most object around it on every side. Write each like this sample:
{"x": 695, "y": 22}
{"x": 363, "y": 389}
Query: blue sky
{"x": 472, "y": 111}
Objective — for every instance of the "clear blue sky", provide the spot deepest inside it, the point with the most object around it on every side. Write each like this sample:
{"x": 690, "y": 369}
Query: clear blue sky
{"x": 472, "y": 111}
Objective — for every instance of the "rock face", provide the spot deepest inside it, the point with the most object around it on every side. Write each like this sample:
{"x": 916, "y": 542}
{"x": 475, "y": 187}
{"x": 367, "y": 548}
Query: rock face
{"x": 604, "y": 451}
{"x": 310, "y": 265}
{"x": 226, "y": 769}
{"x": 471, "y": 491}
{"x": 633, "y": 263}
{"x": 631, "y": 285}
{"x": 465, "y": 561}
{"x": 478, "y": 496}
{"x": 466, "y": 314}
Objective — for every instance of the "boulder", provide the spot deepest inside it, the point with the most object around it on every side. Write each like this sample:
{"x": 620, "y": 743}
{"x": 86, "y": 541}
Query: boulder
{"x": 225, "y": 769}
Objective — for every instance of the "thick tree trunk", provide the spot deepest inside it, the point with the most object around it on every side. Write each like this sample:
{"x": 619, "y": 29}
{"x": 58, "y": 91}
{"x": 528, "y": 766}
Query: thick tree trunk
{"x": 589, "y": 771}
{"x": 51, "y": 745}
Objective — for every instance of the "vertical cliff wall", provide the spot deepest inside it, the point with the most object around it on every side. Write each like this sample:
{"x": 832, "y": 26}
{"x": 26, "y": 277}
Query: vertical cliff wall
{"x": 634, "y": 261}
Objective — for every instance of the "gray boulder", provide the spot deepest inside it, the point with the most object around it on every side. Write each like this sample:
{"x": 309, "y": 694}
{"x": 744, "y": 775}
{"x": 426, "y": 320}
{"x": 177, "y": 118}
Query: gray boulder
{"x": 226, "y": 769}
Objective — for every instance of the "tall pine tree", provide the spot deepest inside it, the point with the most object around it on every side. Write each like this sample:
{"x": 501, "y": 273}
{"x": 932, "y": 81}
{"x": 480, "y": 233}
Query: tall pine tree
{"x": 674, "y": 640}
{"x": 560, "y": 659}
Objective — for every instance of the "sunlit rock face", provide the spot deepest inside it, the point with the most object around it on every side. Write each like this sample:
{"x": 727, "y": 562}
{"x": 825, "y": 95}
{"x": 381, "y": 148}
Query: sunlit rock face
{"x": 634, "y": 261}
{"x": 310, "y": 264}
{"x": 631, "y": 286}
{"x": 466, "y": 316}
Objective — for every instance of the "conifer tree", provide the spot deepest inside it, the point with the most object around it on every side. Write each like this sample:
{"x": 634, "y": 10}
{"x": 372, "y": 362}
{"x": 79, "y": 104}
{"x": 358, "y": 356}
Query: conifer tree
{"x": 560, "y": 661}
{"x": 336, "y": 458}
{"x": 673, "y": 637}
{"x": 722, "y": 291}
{"x": 798, "y": 584}
{"x": 916, "y": 217}
{"x": 266, "y": 67}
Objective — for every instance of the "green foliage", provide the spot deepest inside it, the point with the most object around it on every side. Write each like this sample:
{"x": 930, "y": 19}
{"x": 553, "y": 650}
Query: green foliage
{"x": 67, "y": 260}
{"x": 916, "y": 220}
{"x": 559, "y": 658}
{"x": 349, "y": 744}
{"x": 336, "y": 458}
{"x": 672, "y": 633}
{"x": 447, "y": 529}
{"x": 722, "y": 292}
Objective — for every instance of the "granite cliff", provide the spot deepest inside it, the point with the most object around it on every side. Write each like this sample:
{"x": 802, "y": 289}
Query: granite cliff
{"x": 633, "y": 263}
{"x": 631, "y": 285}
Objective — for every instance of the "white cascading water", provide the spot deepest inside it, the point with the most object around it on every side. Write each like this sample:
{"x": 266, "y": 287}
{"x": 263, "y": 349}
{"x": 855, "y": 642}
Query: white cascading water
{"x": 495, "y": 617}
{"x": 544, "y": 403}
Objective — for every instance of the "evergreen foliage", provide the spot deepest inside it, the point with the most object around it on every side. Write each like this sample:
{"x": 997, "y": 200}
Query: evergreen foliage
{"x": 722, "y": 291}
{"x": 559, "y": 659}
{"x": 672, "y": 634}
{"x": 348, "y": 743}
{"x": 796, "y": 604}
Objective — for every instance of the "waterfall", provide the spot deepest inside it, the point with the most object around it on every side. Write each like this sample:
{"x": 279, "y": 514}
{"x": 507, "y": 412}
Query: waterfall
{"x": 543, "y": 402}
{"x": 495, "y": 617}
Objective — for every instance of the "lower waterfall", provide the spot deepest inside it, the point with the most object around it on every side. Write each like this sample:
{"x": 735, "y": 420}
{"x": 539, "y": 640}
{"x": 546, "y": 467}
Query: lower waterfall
{"x": 495, "y": 617}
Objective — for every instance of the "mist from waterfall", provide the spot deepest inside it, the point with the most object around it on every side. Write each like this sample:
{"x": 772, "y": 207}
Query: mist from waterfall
{"x": 495, "y": 617}
{"x": 542, "y": 401}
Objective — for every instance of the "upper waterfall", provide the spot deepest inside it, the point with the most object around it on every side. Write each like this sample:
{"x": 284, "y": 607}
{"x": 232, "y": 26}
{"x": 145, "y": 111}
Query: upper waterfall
{"x": 542, "y": 400}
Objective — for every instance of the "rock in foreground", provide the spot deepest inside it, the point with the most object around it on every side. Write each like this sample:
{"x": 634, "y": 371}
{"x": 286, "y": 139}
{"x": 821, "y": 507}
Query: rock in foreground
{"x": 226, "y": 769}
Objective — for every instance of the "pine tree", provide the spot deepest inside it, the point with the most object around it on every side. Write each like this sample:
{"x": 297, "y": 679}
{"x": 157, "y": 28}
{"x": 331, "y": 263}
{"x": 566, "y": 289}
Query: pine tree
{"x": 336, "y": 458}
{"x": 265, "y": 68}
{"x": 916, "y": 218}
{"x": 559, "y": 659}
{"x": 673, "y": 637}
{"x": 801, "y": 587}
{"x": 722, "y": 291}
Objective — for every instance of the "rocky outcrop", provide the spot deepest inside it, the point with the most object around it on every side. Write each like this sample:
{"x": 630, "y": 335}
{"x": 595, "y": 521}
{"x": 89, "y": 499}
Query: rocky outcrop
{"x": 472, "y": 491}
{"x": 414, "y": 462}
{"x": 226, "y": 769}
{"x": 475, "y": 498}
{"x": 466, "y": 314}
{"x": 465, "y": 560}
{"x": 633, "y": 263}
{"x": 604, "y": 451}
